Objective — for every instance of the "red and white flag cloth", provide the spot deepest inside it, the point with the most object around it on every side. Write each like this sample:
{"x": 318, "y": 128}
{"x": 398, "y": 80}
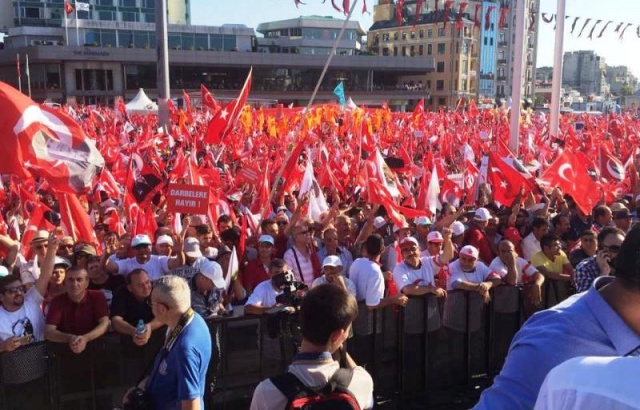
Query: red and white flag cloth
{"x": 222, "y": 123}
{"x": 75, "y": 219}
{"x": 41, "y": 141}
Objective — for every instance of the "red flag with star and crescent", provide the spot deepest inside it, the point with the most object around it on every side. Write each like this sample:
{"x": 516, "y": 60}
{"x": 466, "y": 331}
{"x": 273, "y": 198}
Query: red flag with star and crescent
{"x": 224, "y": 119}
{"x": 505, "y": 180}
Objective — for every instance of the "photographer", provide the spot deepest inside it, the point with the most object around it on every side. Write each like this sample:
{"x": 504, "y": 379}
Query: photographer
{"x": 264, "y": 295}
{"x": 326, "y": 314}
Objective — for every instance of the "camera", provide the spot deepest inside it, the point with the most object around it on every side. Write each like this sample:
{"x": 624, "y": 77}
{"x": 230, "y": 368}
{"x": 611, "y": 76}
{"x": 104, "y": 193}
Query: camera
{"x": 281, "y": 320}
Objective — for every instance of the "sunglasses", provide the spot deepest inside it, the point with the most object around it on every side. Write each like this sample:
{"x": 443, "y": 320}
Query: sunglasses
{"x": 15, "y": 290}
{"x": 70, "y": 246}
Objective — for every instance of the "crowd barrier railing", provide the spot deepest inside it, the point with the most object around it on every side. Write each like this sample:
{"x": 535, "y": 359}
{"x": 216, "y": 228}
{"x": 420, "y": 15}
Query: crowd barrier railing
{"x": 430, "y": 345}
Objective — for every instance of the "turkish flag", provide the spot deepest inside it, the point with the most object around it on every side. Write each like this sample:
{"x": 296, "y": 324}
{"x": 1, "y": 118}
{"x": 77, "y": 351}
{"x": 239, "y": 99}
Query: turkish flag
{"x": 572, "y": 177}
{"x": 224, "y": 120}
{"x": 610, "y": 167}
{"x": 42, "y": 141}
{"x": 505, "y": 180}
{"x": 68, "y": 8}
{"x": 36, "y": 222}
{"x": 207, "y": 99}
{"x": 75, "y": 219}
{"x": 450, "y": 192}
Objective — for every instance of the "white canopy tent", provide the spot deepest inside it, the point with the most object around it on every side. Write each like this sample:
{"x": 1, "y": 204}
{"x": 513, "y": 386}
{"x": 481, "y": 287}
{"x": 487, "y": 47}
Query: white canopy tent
{"x": 141, "y": 103}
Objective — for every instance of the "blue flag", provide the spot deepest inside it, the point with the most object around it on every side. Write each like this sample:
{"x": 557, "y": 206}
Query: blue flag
{"x": 339, "y": 92}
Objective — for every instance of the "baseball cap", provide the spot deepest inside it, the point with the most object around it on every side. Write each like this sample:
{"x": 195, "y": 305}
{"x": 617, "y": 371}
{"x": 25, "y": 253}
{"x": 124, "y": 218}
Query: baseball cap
{"x": 422, "y": 220}
{"x": 408, "y": 242}
{"x": 435, "y": 236}
{"x": 397, "y": 227}
{"x": 213, "y": 272}
{"x": 140, "y": 240}
{"x": 512, "y": 234}
{"x": 85, "y": 248}
{"x": 40, "y": 236}
{"x": 61, "y": 261}
{"x": 622, "y": 214}
{"x": 332, "y": 260}
{"x": 281, "y": 209}
{"x": 191, "y": 247}
{"x": 267, "y": 239}
{"x": 379, "y": 222}
{"x": 617, "y": 206}
{"x": 482, "y": 214}
{"x": 164, "y": 240}
{"x": 457, "y": 228}
{"x": 470, "y": 251}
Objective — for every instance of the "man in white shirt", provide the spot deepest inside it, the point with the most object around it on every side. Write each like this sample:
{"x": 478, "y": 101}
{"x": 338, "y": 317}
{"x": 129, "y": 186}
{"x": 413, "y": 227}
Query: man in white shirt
{"x": 531, "y": 242}
{"x": 514, "y": 270}
{"x": 326, "y": 314}
{"x": 264, "y": 295}
{"x": 332, "y": 273}
{"x": 21, "y": 318}
{"x": 584, "y": 383}
{"x": 468, "y": 273}
{"x": 154, "y": 265}
{"x": 416, "y": 275}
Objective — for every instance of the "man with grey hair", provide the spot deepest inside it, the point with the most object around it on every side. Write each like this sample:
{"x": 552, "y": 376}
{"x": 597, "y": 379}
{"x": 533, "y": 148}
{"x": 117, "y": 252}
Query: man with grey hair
{"x": 177, "y": 380}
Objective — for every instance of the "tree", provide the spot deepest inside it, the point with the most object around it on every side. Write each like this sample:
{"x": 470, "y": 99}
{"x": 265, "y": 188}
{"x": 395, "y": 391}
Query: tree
{"x": 626, "y": 90}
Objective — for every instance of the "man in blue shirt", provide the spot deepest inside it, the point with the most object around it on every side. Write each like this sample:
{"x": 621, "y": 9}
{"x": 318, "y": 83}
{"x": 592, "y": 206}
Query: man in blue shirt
{"x": 177, "y": 380}
{"x": 600, "y": 322}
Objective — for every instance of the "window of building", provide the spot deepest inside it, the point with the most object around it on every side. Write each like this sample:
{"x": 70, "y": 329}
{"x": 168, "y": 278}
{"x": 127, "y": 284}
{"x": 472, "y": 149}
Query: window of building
{"x": 430, "y": 33}
{"x": 395, "y": 51}
{"x": 428, "y": 84}
{"x": 404, "y": 51}
{"x": 31, "y": 12}
{"x": 150, "y": 17}
{"x": 421, "y": 49}
{"x": 485, "y": 41}
{"x": 464, "y": 85}
{"x": 457, "y": 47}
{"x": 429, "y": 49}
{"x": 385, "y": 51}
{"x": 441, "y": 32}
{"x": 441, "y": 48}
{"x": 440, "y": 85}
{"x": 147, "y": 4}
{"x": 106, "y": 15}
{"x": 412, "y": 51}
{"x": 129, "y": 16}
{"x": 127, "y": 3}
{"x": 440, "y": 67}
{"x": 491, "y": 41}
{"x": 442, "y": 101}
{"x": 413, "y": 35}
{"x": 404, "y": 35}
{"x": 421, "y": 33}
{"x": 385, "y": 36}
{"x": 94, "y": 80}
{"x": 395, "y": 36}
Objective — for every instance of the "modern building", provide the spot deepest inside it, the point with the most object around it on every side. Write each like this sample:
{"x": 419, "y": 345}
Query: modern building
{"x": 313, "y": 35}
{"x": 476, "y": 62}
{"x": 455, "y": 51}
{"x": 585, "y": 71}
{"x": 620, "y": 77}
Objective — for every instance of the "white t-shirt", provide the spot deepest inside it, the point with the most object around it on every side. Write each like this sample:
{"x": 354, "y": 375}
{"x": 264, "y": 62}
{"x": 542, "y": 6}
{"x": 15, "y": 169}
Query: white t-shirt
{"x": 480, "y": 274}
{"x": 29, "y": 319}
{"x": 367, "y": 276}
{"x": 155, "y": 268}
{"x": 351, "y": 287}
{"x": 592, "y": 383}
{"x": 530, "y": 246}
{"x": 268, "y": 397}
{"x": 29, "y": 272}
{"x": 523, "y": 268}
{"x": 263, "y": 295}
{"x": 404, "y": 275}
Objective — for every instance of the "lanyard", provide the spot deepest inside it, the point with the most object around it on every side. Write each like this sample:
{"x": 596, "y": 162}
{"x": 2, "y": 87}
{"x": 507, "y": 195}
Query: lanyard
{"x": 178, "y": 329}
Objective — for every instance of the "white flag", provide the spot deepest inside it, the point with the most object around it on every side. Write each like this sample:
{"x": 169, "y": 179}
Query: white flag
{"x": 232, "y": 270}
{"x": 83, "y": 6}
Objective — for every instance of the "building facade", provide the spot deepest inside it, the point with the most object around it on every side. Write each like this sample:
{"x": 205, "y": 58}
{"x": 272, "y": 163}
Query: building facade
{"x": 585, "y": 71}
{"x": 312, "y": 35}
{"x": 620, "y": 77}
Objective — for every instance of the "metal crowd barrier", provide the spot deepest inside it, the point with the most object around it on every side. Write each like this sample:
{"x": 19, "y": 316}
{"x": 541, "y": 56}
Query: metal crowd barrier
{"x": 412, "y": 353}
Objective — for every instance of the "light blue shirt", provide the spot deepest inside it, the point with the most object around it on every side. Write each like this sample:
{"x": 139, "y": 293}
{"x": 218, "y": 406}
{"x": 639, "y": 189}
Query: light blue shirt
{"x": 583, "y": 325}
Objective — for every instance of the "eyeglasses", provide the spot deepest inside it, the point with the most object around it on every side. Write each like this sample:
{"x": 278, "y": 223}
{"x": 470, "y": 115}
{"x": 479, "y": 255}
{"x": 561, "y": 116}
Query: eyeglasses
{"x": 67, "y": 246}
{"x": 14, "y": 290}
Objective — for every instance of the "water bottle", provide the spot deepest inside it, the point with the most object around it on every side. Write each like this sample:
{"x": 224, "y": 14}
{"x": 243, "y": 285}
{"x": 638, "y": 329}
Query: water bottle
{"x": 140, "y": 328}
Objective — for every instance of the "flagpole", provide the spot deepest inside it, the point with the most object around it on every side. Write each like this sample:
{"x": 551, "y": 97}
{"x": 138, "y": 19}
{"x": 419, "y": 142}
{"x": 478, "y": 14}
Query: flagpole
{"x": 19, "y": 73}
{"x": 516, "y": 83}
{"x": 28, "y": 76}
{"x": 77, "y": 29}
{"x": 66, "y": 25}
{"x": 556, "y": 83}
{"x": 162, "y": 55}
{"x": 313, "y": 96}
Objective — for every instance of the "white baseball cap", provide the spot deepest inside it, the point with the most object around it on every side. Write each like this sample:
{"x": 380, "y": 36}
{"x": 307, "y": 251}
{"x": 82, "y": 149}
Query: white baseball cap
{"x": 140, "y": 240}
{"x": 435, "y": 236}
{"x": 213, "y": 272}
{"x": 422, "y": 220}
{"x": 266, "y": 239}
{"x": 164, "y": 240}
{"x": 482, "y": 215}
{"x": 397, "y": 227}
{"x": 192, "y": 247}
{"x": 332, "y": 260}
{"x": 457, "y": 228}
{"x": 470, "y": 251}
{"x": 408, "y": 242}
{"x": 379, "y": 222}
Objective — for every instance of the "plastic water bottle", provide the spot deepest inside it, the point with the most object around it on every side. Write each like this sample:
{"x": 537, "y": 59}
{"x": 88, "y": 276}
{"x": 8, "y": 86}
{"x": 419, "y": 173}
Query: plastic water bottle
{"x": 140, "y": 328}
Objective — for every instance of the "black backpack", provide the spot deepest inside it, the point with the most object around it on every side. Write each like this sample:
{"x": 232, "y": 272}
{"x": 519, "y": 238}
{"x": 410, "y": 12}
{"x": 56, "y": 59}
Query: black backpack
{"x": 335, "y": 395}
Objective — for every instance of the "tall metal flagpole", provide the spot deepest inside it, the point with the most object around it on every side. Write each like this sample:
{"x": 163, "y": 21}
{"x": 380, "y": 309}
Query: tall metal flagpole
{"x": 556, "y": 84}
{"x": 28, "y": 76}
{"x": 516, "y": 83}
{"x": 66, "y": 25}
{"x": 19, "y": 72}
{"x": 162, "y": 53}
{"x": 77, "y": 29}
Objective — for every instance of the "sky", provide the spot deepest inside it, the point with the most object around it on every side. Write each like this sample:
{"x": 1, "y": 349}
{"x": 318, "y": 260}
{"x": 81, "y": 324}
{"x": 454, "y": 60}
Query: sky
{"x": 625, "y": 52}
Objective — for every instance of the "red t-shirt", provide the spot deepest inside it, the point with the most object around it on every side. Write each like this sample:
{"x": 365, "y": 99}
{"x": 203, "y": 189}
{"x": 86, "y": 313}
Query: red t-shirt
{"x": 77, "y": 318}
{"x": 254, "y": 273}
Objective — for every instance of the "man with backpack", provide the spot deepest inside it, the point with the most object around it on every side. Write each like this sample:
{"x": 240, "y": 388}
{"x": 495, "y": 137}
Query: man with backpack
{"x": 315, "y": 380}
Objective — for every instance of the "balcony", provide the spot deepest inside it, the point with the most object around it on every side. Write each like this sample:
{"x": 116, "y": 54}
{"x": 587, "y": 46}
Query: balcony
{"x": 502, "y": 78}
{"x": 502, "y": 43}
{"x": 502, "y": 61}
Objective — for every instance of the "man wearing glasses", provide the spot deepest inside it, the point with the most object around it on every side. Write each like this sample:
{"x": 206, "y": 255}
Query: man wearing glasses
{"x": 602, "y": 263}
{"x": 21, "y": 318}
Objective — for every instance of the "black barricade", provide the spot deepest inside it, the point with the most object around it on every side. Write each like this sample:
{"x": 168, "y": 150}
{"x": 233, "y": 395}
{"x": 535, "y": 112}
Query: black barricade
{"x": 431, "y": 345}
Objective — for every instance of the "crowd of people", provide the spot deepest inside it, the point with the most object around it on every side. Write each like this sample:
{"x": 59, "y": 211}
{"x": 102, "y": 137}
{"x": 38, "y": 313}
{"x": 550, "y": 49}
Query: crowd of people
{"x": 304, "y": 191}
